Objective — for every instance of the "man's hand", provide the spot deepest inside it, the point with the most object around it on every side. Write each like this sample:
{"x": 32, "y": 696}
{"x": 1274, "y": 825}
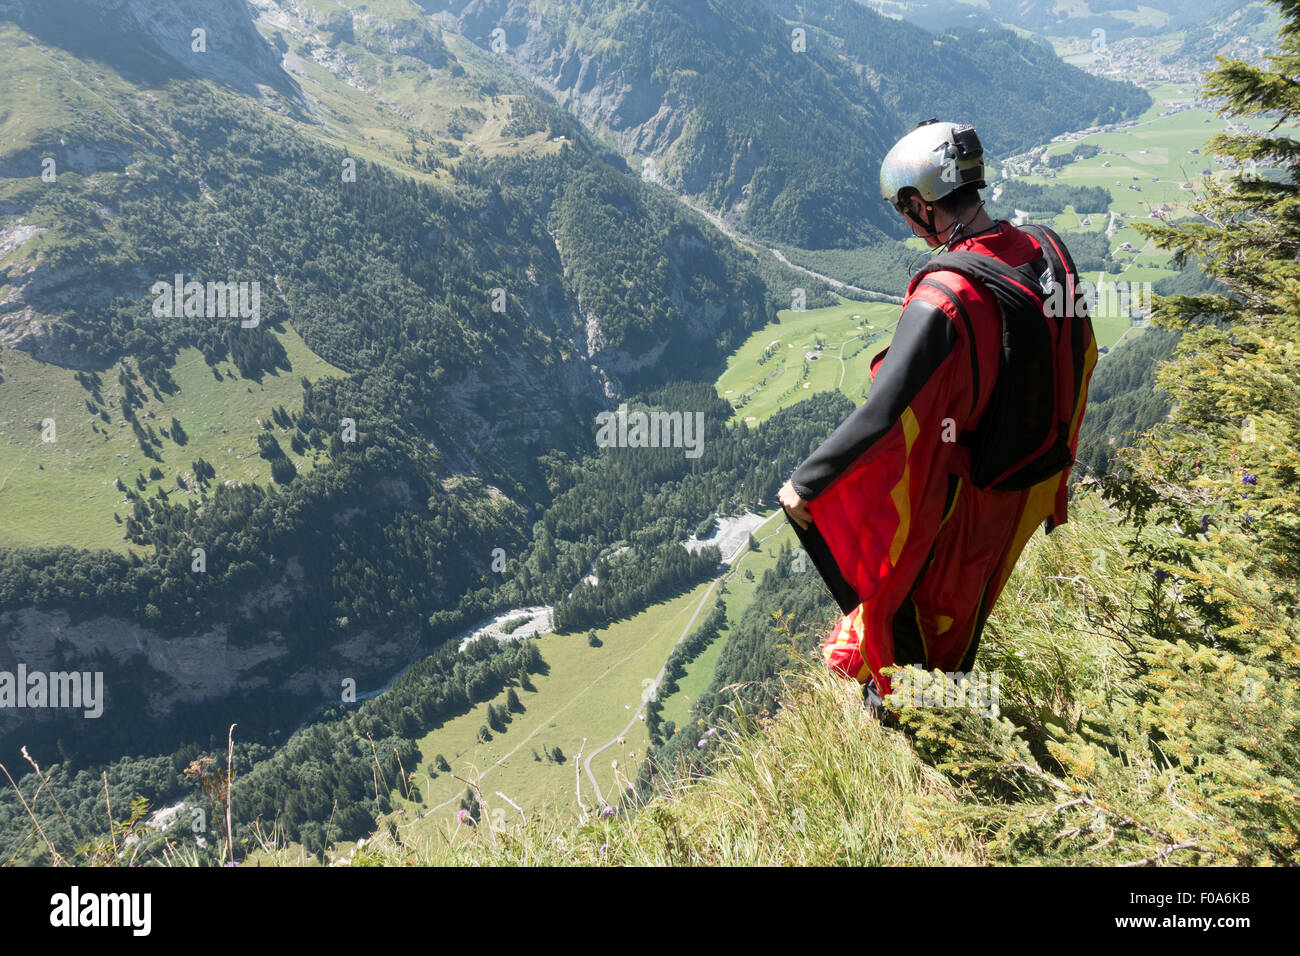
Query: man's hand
{"x": 794, "y": 505}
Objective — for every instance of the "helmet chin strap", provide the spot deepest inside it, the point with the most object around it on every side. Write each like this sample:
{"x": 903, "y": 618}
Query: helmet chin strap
{"x": 927, "y": 226}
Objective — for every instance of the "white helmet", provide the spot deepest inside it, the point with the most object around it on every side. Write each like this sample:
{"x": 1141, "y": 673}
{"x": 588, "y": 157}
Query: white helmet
{"x": 934, "y": 159}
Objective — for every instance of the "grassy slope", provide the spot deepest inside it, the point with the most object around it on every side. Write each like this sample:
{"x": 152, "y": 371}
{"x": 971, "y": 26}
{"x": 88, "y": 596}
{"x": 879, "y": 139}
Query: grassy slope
{"x": 62, "y": 492}
{"x": 56, "y": 90}
{"x": 782, "y": 797}
{"x": 740, "y": 594}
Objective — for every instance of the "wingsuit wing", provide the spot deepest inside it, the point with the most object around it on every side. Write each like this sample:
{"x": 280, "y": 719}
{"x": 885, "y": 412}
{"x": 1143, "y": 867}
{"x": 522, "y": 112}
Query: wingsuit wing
{"x": 865, "y": 482}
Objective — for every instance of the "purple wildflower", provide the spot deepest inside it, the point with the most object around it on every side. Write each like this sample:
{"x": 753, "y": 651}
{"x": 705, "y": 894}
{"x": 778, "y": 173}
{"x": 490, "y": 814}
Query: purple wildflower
{"x": 1249, "y": 479}
{"x": 1205, "y": 525}
{"x": 608, "y": 811}
{"x": 462, "y": 815}
{"x": 701, "y": 743}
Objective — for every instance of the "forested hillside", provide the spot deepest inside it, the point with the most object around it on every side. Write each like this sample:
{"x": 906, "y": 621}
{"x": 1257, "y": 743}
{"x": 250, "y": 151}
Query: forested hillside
{"x": 1123, "y": 399}
{"x": 482, "y": 319}
{"x": 641, "y": 505}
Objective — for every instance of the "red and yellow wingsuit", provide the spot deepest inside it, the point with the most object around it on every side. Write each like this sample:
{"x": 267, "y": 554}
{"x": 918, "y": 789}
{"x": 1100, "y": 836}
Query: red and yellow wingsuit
{"x": 913, "y": 553}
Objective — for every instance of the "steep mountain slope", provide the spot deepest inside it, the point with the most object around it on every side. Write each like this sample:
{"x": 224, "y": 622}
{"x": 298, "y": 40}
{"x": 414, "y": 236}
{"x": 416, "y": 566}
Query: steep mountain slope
{"x": 153, "y": 42}
{"x": 774, "y": 112}
{"x": 1015, "y": 91}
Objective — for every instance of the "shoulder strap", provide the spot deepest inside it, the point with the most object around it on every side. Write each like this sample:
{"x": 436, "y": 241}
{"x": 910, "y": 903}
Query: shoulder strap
{"x": 1014, "y": 287}
{"x": 970, "y": 334}
{"x": 1018, "y": 291}
{"x": 1052, "y": 246}
{"x": 1075, "y": 319}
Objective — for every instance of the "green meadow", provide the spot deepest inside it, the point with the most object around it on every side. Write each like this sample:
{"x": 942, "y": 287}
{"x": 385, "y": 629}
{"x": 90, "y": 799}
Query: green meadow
{"x": 61, "y": 492}
{"x": 775, "y": 366}
{"x": 587, "y": 693}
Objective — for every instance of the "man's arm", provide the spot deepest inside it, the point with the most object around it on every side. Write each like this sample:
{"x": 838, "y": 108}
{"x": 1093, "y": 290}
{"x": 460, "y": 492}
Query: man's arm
{"x": 924, "y": 341}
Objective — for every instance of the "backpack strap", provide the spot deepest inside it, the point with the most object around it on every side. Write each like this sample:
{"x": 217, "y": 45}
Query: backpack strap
{"x": 1014, "y": 287}
{"x": 1029, "y": 388}
{"x": 1054, "y": 249}
{"x": 1076, "y": 322}
{"x": 1015, "y": 290}
{"x": 970, "y": 336}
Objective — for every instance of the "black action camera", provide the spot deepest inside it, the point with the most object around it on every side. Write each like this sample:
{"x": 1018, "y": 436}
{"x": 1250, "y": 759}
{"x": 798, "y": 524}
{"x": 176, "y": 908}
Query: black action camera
{"x": 967, "y": 142}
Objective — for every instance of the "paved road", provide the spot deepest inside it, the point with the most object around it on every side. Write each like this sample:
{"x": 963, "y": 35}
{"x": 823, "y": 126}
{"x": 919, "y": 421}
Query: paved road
{"x": 732, "y": 234}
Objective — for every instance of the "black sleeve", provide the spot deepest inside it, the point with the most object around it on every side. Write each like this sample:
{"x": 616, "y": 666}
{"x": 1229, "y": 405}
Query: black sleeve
{"x": 924, "y": 340}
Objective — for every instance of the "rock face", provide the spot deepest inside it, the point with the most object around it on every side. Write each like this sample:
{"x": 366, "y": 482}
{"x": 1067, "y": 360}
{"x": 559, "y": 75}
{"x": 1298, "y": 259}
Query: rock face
{"x": 168, "y": 672}
{"x": 637, "y": 113}
{"x": 148, "y": 37}
{"x": 335, "y": 36}
{"x": 672, "y": 86}
{"x": 499, "y": 416}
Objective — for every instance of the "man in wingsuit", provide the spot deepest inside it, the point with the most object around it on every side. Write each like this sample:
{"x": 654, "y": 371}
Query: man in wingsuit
{"x": 916, "y": 508}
